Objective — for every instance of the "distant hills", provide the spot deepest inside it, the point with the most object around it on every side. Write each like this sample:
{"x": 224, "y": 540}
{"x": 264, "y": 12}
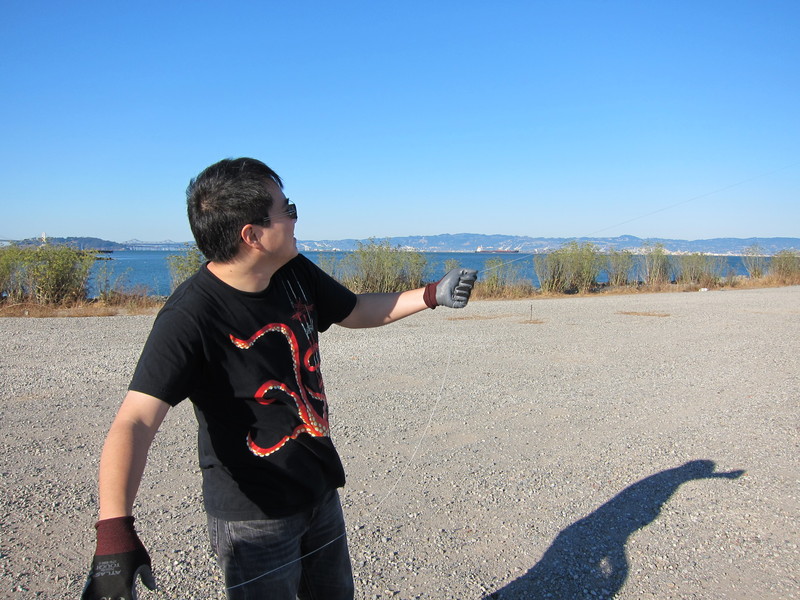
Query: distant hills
{"x": 93, "y": 243}
{"x": 470, "y": 242}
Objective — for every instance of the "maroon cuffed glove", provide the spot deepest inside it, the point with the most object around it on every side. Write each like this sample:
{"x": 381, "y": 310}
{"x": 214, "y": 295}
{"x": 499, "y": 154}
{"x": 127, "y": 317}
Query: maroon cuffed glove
{"x": 452, "y": 290}
{"x": 118, "y": 560}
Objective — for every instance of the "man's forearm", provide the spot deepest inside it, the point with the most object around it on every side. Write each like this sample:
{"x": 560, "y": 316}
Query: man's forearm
{"x": 121, "y": 467}
{"x": 125, "y": 452}
{"x": 373, "y": 310}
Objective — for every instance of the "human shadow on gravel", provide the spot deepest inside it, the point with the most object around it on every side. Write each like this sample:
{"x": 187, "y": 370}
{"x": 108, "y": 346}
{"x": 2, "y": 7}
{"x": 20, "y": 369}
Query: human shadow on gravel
{"x": 588, "y": 559}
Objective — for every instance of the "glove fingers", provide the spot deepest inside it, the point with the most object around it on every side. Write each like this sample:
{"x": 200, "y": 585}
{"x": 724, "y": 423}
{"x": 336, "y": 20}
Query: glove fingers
{"x": 468, "y": 275}
{"x": 85, "y": 593}
{"x": 147, "y": 577}
{"x": 454, "y": 289}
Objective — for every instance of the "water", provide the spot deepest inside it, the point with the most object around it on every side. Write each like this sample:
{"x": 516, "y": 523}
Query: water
{"x": 148, "y": 269}
{"x": 129, "y": 270}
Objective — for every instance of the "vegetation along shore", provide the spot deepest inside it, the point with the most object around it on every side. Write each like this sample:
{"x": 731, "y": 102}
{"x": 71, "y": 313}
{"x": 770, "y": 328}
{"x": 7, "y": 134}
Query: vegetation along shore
{"x": 52, "y": 279}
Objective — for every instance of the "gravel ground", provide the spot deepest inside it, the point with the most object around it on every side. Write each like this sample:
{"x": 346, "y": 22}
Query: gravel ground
{"x": 639, "y": 446}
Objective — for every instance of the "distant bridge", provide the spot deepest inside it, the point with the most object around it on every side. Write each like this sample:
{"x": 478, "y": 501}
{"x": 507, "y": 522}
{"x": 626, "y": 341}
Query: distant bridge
{"x": 167, "y": 245}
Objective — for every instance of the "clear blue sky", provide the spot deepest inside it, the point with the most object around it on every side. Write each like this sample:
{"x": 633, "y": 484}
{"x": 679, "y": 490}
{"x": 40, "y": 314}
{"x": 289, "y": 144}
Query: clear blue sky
{"x": 407, "y": 118}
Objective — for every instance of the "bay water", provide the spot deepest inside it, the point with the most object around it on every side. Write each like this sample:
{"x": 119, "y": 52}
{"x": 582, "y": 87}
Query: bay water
{"x": 148, "y": 270}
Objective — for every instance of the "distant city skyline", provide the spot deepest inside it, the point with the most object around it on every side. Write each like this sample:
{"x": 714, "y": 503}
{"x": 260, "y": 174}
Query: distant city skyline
{"x": 661, "y": 120}
{"x": 471, "y": 242}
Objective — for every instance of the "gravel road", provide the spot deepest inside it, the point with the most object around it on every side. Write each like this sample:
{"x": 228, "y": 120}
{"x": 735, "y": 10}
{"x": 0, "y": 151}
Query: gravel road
{"x": 635, "y": 446}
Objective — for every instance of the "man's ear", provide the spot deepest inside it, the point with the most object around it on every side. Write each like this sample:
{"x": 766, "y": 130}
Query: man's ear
{"x": 249, "y": 236}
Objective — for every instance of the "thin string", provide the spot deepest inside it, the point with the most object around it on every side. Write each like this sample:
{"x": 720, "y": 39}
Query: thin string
{"x": 408, "y": 464}
{"x": 413, "y": 456}
{"x": 502, "y": 264}
{"x": 698, "y": 197}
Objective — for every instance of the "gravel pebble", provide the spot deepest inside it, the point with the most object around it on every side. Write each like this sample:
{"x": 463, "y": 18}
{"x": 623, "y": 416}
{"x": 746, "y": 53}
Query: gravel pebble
{"x": 634, "y": 446}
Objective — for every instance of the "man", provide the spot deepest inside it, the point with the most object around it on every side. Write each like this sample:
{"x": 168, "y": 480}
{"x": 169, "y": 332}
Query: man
{"x": 240, "y": 339}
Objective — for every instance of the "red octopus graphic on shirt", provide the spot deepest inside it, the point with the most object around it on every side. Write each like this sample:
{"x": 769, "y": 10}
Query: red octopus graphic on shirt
{"x": 314, "y": 422}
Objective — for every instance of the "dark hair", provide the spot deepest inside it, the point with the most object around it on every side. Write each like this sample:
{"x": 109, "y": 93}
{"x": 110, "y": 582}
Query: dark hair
{"x": 224, "y": 198}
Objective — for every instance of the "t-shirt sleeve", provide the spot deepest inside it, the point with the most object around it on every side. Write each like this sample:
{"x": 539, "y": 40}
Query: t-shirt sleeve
{"x": 335, "y": 302}
{"x": 170, "y": 359}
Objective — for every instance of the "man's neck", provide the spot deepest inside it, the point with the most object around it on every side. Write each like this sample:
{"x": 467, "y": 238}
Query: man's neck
{"x": 243, "y": 276}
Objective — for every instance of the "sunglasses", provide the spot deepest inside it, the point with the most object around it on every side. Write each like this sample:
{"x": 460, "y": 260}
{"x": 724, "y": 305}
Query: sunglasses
{"x": 290, "y": 212}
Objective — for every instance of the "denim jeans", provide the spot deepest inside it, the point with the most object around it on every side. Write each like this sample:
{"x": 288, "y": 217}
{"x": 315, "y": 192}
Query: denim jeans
{"x": 300, "y": 556}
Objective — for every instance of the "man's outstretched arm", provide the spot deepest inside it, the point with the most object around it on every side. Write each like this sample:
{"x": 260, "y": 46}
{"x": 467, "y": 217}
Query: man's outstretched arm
{"x": 373, "y": 310}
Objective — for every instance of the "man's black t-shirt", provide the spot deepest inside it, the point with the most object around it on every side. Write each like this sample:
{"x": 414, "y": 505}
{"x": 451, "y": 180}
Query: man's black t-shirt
{"x": 250, "y": 364}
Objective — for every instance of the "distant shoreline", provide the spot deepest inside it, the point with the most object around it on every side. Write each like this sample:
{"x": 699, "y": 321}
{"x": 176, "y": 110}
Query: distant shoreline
{"x": 467, "y": 243}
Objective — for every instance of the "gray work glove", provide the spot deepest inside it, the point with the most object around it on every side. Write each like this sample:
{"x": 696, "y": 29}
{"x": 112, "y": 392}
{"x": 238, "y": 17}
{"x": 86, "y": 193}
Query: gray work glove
{"x": 452, "y": 290}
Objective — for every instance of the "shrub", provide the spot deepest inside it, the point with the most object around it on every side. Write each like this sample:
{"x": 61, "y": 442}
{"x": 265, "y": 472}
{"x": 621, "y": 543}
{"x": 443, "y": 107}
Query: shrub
{"x": 12, "y": 273}
{"x": 501, "y": 279}
{"x": 327, "y": 262}
{"x": 59, "y": 274}
{"x": 449, "y": 265}
{"x": 493, "y": 278}
{"x": 572, "y": 268}
{"x": 620, "y": 266}
{"x": 755, "y": 261}
{"x": 785, "y": 267}
{"x": 184, "y": 265}
{"x": 698, "y": 268}
{"x": 107, "y": 283}
{"x": 583, "y": 266}
{"x": 377, "y": 267}
{"x": 45, "y": 274}
{"x": 550, "y": 270}
{"x": 656, "y": 266}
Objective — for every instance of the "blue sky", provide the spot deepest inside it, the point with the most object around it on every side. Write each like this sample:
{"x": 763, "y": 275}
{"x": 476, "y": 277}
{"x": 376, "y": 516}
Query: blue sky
{"x": 674, "y": 119}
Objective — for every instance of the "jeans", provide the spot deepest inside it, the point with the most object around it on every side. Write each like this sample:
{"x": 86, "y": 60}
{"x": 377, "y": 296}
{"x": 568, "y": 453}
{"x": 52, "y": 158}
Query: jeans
{"x": 300, "y": 556}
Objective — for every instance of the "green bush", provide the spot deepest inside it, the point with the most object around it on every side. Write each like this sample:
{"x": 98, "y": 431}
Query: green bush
{"x": 184, "y": 265}
{"x": 327, "y": 262}
{"x": 620, "y": 265}
{"x": 377, "y": 267}
{"x": 550, "y": 270}
{"x": 656, "y": 266}
{"x": 45, "y": 274}
{"x": 755, "y": 261}
{"x": 699, "y": 269}
{"x": 572, "y": 268}
{"x": 112, "y": 288}
{"x": 584, "y": 264}
{"x": 12, "y": 273}
{"x": 499, "y": 277}
{"x": 449, "y": 265}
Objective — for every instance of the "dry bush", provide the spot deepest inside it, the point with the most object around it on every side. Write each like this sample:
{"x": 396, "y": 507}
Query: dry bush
{"x": 784, "y": 268}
